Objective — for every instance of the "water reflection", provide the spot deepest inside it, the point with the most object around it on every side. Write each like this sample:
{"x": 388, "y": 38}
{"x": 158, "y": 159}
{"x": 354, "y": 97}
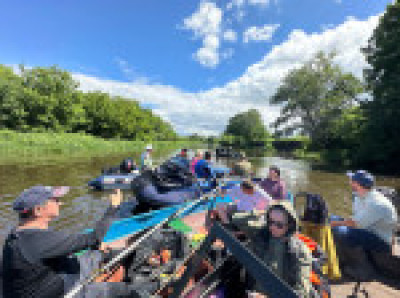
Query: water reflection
{"x": 82, "y": 207}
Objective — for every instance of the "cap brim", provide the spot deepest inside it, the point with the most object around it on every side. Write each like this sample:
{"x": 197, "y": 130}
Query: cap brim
{"x": 60, "y": 191}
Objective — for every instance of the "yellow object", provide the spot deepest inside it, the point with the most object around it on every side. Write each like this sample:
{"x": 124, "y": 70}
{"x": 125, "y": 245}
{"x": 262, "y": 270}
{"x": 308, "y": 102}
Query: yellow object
{"x": 322, "y": 234}
{"x": 198, "y": 237}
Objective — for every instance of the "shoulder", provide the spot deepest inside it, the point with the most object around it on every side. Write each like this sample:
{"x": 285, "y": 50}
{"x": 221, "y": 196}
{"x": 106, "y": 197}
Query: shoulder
{"x": 377, "y": 199}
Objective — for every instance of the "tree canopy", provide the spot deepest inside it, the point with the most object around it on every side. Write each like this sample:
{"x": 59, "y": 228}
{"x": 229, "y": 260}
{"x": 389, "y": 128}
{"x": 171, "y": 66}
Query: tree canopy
{"x": 381, "y": 148}
{"x": 48, "y": 99}
{"x": 247, "y": 126}
{"x": 314, "y": 97}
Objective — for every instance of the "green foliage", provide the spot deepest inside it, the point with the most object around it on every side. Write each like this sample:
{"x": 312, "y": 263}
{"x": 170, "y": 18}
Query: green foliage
{"x": 34, "y": 147}
{"x": 314, "y": 97}
{"x": 381, "y": 145}
{"x": 245, "y": 128}
{"x": 48, "y": 99}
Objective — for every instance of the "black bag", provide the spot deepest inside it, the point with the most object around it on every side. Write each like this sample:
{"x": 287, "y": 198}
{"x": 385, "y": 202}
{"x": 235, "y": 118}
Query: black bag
{"x": 316, "y": 209}
{"x": 392, "y": 195}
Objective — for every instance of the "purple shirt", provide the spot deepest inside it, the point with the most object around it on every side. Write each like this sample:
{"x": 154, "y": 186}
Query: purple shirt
{"x": 276, "y": 189}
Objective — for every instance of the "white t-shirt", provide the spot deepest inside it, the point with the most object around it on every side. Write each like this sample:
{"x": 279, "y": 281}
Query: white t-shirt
{"x": 376, "y": 214}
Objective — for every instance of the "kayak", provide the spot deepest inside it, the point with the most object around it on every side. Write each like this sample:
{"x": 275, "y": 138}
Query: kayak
{"x": 113, "y": 181}
{"x": 132, "y": 225}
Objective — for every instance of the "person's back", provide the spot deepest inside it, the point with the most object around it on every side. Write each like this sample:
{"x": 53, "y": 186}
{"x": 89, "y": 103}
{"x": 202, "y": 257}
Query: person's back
{"x": 377, "y": 214}
{"x": 27, "y": 274}
{"x": 243, "y": 168}
{"x": 145, "y": 160}
{"x": 202, "y": 167}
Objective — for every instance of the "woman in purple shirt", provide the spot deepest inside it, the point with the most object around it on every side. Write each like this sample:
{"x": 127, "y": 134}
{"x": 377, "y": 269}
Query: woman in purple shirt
{"x": 273, "y": 185}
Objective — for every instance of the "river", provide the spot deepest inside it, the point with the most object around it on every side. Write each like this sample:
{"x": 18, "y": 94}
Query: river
{"x": 82, "y": 207}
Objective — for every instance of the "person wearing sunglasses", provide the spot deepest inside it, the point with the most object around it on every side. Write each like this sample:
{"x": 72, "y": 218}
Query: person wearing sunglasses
{"x": 277, "y": 246}
{"x": 41, "y": 262}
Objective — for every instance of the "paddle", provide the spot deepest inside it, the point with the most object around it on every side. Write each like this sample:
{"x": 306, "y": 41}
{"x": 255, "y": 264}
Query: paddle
{"x": 127, "y": 251}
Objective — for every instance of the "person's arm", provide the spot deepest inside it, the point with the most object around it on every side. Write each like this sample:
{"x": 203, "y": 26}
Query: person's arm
{"x": 59, "y": 243}
{"x": 282, "y": 190}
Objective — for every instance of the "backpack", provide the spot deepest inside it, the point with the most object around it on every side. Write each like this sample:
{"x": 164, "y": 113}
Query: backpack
{"x": 391, "y": 194}
{"x": 316, "y": 209}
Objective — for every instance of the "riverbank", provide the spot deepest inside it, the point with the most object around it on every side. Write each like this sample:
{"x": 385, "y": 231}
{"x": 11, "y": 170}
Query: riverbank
{"x": 17, "y": 147}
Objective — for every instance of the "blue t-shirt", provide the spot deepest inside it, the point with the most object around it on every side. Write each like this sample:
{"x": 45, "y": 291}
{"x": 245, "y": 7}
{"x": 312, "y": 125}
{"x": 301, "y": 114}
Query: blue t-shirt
{"x": 202, "y": 169}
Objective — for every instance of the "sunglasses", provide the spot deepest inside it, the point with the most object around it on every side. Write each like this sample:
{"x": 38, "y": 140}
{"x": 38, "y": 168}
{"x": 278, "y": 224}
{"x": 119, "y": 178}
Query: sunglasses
{"x": 280, "y": 225}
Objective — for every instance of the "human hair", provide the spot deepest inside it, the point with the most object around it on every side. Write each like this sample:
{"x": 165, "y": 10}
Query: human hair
{"x": 247, "y": 185}
{"x": 276, "y": 170}
{"x": 367, "y": 187}
{"x": 292, "y": 227}
{"x": 207, "y": 155}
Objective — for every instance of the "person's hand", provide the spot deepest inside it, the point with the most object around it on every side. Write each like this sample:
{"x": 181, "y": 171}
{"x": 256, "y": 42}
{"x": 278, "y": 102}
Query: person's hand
{"x": 255, "y": 295}
{"x": 116, "y": 198}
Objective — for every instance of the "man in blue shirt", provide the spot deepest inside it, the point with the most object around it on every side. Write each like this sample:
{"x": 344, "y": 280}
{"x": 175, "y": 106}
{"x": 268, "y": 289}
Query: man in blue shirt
{"x": 202, "y": 168}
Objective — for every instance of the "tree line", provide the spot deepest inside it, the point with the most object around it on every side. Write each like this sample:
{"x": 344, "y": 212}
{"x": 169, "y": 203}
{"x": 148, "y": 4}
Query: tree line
{"x": 49, "y": 100}
{"x": 350, "y": 122}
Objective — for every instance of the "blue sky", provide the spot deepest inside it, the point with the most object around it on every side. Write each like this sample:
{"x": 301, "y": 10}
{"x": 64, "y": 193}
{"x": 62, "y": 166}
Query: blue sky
{"x": 188, "y": 50}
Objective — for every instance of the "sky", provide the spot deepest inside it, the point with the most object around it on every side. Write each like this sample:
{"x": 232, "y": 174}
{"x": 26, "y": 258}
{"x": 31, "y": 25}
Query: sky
{"x": 196, "y": 63}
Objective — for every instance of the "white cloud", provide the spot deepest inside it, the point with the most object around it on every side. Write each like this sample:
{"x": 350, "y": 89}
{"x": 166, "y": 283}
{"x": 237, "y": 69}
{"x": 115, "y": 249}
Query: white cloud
{"x": 260, "y": 2}
{"x": 208, "y": 112}
{"x": 263, "y": 33}
{"x": 206, "y": 25}
{"x": 129, "y": 71}
{"x": 230, "y": 35}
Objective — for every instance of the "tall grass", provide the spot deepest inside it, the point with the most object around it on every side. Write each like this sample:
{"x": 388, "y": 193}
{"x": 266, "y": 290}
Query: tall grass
{"x": 18, "y": 147}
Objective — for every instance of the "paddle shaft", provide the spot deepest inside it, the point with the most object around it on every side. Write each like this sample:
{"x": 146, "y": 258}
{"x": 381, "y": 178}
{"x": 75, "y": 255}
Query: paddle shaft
{"x": 128, "y": 250}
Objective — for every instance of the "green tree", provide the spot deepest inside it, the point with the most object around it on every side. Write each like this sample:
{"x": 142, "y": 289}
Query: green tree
{"x": 246, "y": 127}
{"x": 313, "y": 97}
{"x": 48, "y": 99}
{"x": 381, "y": 148}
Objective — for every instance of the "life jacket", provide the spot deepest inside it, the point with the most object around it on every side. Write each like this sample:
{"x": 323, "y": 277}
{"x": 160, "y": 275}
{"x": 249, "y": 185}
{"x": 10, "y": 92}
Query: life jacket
{"x": 316, "y": 209}
{"x": 320, "y": 283}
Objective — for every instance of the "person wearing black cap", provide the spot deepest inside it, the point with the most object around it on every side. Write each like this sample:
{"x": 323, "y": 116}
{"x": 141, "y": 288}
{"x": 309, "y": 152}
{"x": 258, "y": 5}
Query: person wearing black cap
{"x": 370, "y": 228}
{"x": 39, "y": 261}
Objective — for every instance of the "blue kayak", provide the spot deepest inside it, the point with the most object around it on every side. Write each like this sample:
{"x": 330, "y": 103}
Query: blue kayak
{"x": 128, "y": 226}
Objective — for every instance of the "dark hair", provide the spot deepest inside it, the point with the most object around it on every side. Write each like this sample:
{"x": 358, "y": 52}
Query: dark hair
{"x": 292, "y": 226}
{"x": 367, "y": 187}
{"x": 247, "y": 185}
{"x": 276, "y": 170}
{"x": 207, "y": 155}
{"x": 184, "y": 150}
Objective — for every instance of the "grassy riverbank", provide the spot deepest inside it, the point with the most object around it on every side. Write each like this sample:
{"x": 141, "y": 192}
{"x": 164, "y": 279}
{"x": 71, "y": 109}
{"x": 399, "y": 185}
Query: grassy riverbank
{"x": 16, "y": 147}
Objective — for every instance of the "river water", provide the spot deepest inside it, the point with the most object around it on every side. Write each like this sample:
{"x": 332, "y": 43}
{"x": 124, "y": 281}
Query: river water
{"x": 82, "y": 207}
